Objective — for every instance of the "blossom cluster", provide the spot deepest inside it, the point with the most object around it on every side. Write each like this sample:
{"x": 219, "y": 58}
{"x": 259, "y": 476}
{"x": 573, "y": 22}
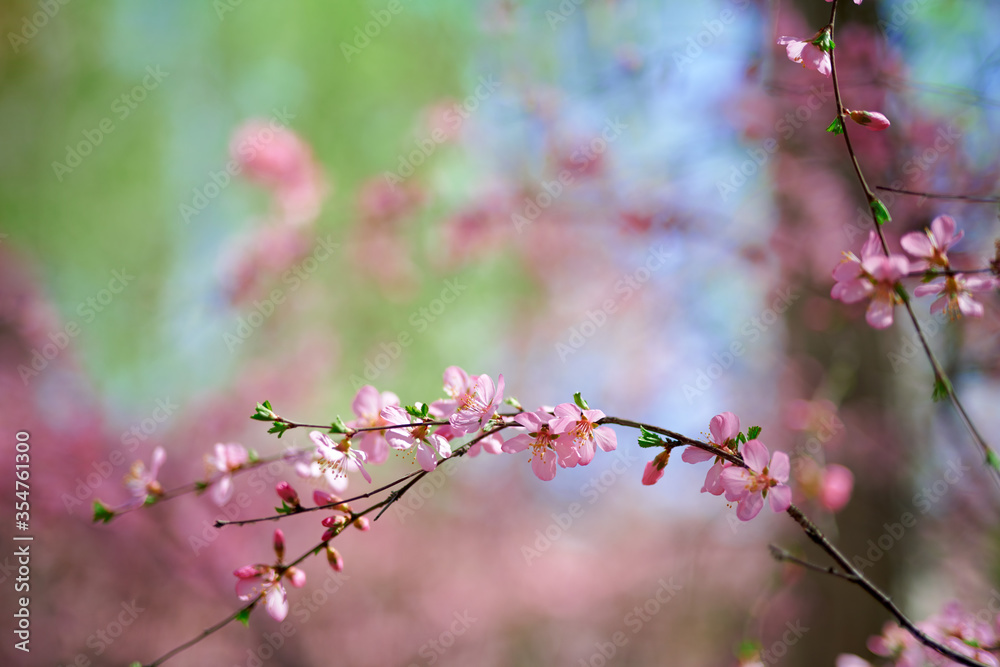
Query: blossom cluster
{"x": 876, "y": 275}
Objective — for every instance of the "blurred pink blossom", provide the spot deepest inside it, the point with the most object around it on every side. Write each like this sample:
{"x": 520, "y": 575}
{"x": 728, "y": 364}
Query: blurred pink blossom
{"x": 956, "y": 294}
{"x": 227, "y": 459}
{"x": 368, "y": 404}
{"x": 807, "y": 53}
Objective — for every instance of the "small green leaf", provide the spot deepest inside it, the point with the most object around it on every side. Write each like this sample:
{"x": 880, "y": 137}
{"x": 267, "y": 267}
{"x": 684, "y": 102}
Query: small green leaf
{"x": 279, "y": 428}
{"x": 578, "y": 399}
{"x": 338, "y": 426}
{"x": 753, "y": 432}
{"x": 150, "y": 500}
{"x": 825, "y": 41}
{"x": 942, "y": 388}
{"x": 415, "y": 411}
{"x": 740, "y": 438}
{"x": 837, "y": 126}
{"x": 200, "y": 486}
{"x": 253, "y": 456}
{"x": 514, "y": 403}
{"x": 135, "y": 663}
{"x": 243, "y": 616}
{"x": 992, "y": 459}
{"x": 748, "y": 649}
{"x": 881, "y": 212}
{"x": 102, "y": 513}
{"x": 647, "y": 439}
{"x": 264, "y": 413}
{"x": 902, "y": 293}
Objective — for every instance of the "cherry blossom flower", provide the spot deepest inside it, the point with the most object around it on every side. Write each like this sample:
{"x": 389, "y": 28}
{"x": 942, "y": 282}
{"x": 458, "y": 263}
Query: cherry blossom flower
{"x": 581, "y": 429}
{"x": 307, "y": 465}
{"x": 428, "y": 445}
{"x": 872, "y": 120}
{"x": 759, "y": 480}
{"x": 142, "y": 483}
{"x": 809, "y": 52}
{"x": 898, "y": 645}
{"x": 367, "y": 405}
{"x": 836, "y": 487}
{"x": 540, "y": 436}
{"x": 874, "y": 278}
{"x": 227, "y": 459}
{"x": 254, "y": 580}
{"x": 340, "y": 458}
{"x": 956, "y": 294}
{"x": 962, "y": 632}
{"x": 491, "y": 444}
{"x": 932, "y": 245}
{"x": 849, "y": 659}
{"x": 724, "y": 428}
{"x": 477, "y": 407}
{"x": 456, "y": 384}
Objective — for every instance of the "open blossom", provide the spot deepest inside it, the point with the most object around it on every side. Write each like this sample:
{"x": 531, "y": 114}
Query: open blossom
{"x": 227, "y": 459}
{"x": 724, "y": 428}
{"x": 456, "y": 384}
{"x": 541, "y": 438}
{"x": 874, "y": 276}
{"x": 849, "y": 659}
{"x": 428, "y": 445}
{"x": 931, "y": 245}
{"x": 963, "y": 632}
{"x": 762, "y": 478}
{"x": 477, "y": 406}
{"x": 368, "y": 405}
{"x": 956, "y": 294}
{"x": 141, "y": 482}
{"x": 808, "y": 53}
{"x": 340, "y": 458}
{"x": 582, "y": 432}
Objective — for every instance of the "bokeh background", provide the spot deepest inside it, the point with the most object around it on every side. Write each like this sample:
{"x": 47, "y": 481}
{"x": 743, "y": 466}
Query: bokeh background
{"x": 150, "y": 298}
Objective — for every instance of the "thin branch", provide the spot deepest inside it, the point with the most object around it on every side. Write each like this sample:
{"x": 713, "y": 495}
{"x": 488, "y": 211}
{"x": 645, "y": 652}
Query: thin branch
{"x": 932, "y": 195}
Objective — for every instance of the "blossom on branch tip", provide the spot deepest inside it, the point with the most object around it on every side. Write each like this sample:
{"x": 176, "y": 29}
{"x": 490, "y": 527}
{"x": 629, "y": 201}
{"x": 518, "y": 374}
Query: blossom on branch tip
{"x": 761, "y": 478}
{"x": 956, "y": 294}
{"x": 872, "y": 120}
{"x": 809, "y": 53}
{"x": 542, "y": 440}
{"x": 932, "y": 245}
{"x": 654, "y": 469}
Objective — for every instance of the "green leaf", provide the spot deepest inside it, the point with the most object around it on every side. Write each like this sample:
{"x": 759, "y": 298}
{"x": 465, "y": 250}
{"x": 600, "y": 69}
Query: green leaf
{"x": 825, "y": 41}
{"x": 253, "y": 456}
{"x": 514, "y": 403}
{"x": 741, "y": 438}
{"x": 150, "y": 500}
{"x": 285, "y": 509}
{"x": 748, "y": 649}
{"x": 338, "y": 426}
{"x": 135, "y": 663}
{"x": 942, "y": 388}
{"x": 414, "y": 410}
{"x": 243, "y": 616}
{"x": 901, "y": 291}
{"x": 881, "y": 212}
{"x": 837, "y": 126}
{"x": 279, "y": 428}
{"x": 753, "y": 432}
{"x": 992, "y": 459}
{"x": 647, "y": 439}
{"x": 264, "y": 413}
{"x": 578, "y": 399}
{"x": 102, "y": 513}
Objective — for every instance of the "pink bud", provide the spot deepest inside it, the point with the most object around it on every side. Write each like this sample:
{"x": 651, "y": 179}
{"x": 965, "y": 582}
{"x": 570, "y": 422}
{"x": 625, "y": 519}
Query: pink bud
{"x": 651, "y": 475}
{"x": 287, "y": 493}
{"x": 279, "y": 543}
{"x": 870, "y": 119}
{"x": 250, "y": 571}
{"x": 333, "y": 557}
{"x": 361, "y": 523}
{"x": 296, "y": 577}
{"x": 334, "y": 521}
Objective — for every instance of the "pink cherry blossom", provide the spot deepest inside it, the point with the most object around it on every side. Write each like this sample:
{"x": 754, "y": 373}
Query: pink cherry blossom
{"x": 876, "y": 280}
{"x": 723, "y": 428}
{"x": 869, "y": 119}
{"x": 897, "y": 644}
{"x": 848, "y": 659}
{"x": 367, "y": 405}
{"x": 491, "y": 444}
{"x": 807, "y": 53}
{"x": 253, "y": 580}
{"x": 654, "y": 469}
{"x": 759, "y": 480}
{"x": 581, "y": 430}
{"x": 541, "y": 438}
{"x": 956, "y": 294}
{"x": 964, "y": 633}
{"x": 227, "y": 459}
{"x": 142, "y": 483}
{"x": 932, "y": 245}
{"x": 477, "y": 406}
{"x": 340, "y": 458}
{"x": 428, "y": 445}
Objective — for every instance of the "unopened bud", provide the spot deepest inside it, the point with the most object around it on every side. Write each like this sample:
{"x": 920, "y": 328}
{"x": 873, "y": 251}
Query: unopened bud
{"x": 288, "y": 494}
{"x": 334, "y": 521}
{"x": 870, "y": 119}
{"x": 334, "y": 558}
{"x": 279, "y": 544}
{"x": 296, "y": 577}
{"x": 362, "y": 523}
{"x": 322, "y": 498}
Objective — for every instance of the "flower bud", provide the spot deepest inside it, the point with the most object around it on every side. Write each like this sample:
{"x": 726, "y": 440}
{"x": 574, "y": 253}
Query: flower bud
{"x": 288, "y": 494}
{"x": 323, "y": 498}
{"x": 870, "y": 119}
{"x": 279, "y": 544}
{"x": 250, "y": 571}
{"x": 296, "y": 577}
{"x": 334, "y": 559}
{"x": 334, "y": 521}
{"x": 361, "y": 523}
